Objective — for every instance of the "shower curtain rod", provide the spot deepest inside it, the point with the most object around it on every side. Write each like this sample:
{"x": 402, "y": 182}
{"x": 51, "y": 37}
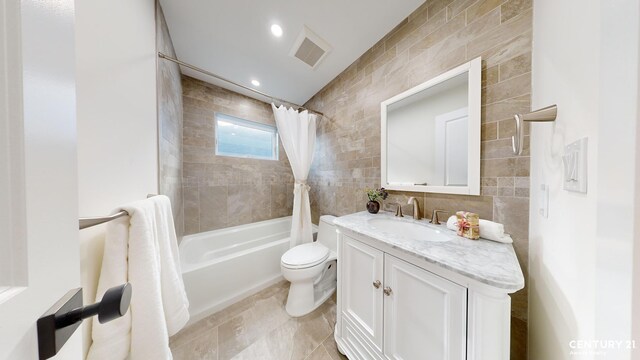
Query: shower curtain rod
{"x": 193, "y": 67}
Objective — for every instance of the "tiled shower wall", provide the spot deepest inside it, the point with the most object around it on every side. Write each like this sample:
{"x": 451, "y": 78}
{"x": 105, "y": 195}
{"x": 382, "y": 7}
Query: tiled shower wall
{"x": 438, "y": 36}
{"x": 169, "y": 123}
{"x": 222, "y": 191}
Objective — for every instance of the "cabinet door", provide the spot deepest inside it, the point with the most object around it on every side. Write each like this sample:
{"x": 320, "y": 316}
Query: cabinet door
{"x": 362, "y": 301}
{"x": 424, "y": 314}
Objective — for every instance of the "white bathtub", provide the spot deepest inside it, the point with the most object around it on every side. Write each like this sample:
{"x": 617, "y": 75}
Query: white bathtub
{"x": 221, "y": 267}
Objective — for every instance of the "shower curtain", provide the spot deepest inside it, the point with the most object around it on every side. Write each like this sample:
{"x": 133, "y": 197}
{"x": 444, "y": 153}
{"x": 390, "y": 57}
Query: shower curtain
{"x": 298, "y": 134}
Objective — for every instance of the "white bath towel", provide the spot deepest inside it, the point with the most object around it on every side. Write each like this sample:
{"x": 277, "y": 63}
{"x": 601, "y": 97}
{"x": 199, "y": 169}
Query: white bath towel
{"x": 142, "y": 249}
{"x": 488, "y": 230}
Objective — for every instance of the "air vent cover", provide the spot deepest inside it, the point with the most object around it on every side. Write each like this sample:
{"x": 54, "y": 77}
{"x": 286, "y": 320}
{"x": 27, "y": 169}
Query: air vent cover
{"x": 310, "y": 48}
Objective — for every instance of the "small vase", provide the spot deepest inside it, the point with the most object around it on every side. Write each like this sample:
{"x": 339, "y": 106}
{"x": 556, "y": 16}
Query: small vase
{"x": 373, "y": 207}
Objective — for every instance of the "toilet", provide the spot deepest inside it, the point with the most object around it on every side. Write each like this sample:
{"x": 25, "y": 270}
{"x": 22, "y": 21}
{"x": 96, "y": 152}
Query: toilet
{"x": 311, "y": 269}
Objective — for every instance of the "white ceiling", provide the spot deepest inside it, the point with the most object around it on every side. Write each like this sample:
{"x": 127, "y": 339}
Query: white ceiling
{"x": 233, "y": 39}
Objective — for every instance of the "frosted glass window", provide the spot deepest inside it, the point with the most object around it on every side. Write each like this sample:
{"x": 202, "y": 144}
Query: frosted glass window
{"x": 246, "y": 139}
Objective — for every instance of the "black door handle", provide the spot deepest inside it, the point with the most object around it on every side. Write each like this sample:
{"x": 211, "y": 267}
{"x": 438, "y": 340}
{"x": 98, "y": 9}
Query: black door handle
{"x": 57, "y": 325}
{"x": 113, "y": 305}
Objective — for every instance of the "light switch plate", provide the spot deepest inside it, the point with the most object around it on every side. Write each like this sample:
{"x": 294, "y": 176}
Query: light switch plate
{"x": 575, "y": 166}
{"x": 543, "y": 201}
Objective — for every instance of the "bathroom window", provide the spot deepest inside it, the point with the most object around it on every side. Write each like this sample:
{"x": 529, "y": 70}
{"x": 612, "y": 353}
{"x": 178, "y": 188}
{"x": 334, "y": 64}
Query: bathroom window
{"x": 246, "y": 139}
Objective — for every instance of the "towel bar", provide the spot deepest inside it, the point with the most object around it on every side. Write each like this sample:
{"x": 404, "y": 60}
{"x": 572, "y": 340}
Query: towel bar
{"x": 84, "y": 223}
{"x": 93, "y": 221}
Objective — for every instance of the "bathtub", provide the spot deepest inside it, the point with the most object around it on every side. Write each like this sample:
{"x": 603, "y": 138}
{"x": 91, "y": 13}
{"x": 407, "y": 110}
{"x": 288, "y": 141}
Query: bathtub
{"x": 221, "y": 267}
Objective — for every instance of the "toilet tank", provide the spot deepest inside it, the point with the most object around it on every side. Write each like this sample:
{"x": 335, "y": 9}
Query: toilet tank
{"x": 327, "y": 232}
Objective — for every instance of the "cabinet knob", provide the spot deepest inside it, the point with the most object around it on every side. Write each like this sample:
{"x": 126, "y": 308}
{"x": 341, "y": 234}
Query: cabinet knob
{"x": 387, "y": 291}
{"x": 377, "y": 284}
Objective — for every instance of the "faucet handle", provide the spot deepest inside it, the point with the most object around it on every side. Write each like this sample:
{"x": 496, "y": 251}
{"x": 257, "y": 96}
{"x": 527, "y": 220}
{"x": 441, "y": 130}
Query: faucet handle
{"x": 399, "y": 210}
{"x": 434, "y": 216}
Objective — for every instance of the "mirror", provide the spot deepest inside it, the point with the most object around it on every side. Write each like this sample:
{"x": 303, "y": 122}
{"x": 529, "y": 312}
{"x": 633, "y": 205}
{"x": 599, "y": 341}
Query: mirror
{"x": 431, "y": 134}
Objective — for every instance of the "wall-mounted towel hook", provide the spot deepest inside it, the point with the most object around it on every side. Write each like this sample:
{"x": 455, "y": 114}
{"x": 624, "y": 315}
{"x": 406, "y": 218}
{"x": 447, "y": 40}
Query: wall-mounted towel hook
{"x": 542, "y": 115}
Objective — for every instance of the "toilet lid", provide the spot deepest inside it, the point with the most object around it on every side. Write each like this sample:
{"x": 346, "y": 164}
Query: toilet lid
{"x": 305, "y": 255}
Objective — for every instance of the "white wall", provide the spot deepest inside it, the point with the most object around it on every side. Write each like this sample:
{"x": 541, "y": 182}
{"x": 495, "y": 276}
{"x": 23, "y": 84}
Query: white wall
{"x": 585, "y": 60}
{"x": 117, "y": 132}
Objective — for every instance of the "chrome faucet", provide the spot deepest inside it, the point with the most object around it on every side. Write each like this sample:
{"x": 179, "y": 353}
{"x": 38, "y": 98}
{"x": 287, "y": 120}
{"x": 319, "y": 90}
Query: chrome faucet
{"x": 416, "y": 207}
{"x": 434, "y": 216}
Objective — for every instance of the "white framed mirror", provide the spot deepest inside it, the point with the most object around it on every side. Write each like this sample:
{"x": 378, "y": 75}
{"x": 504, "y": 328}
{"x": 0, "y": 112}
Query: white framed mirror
{"x": 430, "y": 134}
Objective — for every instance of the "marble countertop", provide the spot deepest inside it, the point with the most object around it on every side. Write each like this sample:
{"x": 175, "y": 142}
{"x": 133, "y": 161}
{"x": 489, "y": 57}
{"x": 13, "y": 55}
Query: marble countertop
{"x": 486, "y": 261}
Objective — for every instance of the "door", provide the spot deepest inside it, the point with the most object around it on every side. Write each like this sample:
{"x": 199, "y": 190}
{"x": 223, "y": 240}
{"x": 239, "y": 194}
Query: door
{"x": 39, "y": 260}
{"x": 424, "y": 315}
{"x": 451, "y": 148}
{"x": 361, "y": 288}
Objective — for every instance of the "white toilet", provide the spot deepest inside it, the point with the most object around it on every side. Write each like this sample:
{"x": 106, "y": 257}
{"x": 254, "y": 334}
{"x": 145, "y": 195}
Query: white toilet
{"x": 311, "y": 269}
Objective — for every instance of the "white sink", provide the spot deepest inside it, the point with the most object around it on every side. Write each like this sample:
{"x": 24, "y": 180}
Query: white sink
{"x": 411, "y": 230}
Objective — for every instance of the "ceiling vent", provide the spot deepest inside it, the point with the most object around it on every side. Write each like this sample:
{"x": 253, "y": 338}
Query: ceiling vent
{"x": 310, "y": 48}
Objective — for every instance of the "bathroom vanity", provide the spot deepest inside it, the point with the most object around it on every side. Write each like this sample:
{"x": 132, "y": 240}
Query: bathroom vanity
{"x": 411, "y": 290}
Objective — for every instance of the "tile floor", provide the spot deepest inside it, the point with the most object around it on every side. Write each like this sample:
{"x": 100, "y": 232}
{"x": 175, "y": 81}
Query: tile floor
{"x": 258, "y": 328}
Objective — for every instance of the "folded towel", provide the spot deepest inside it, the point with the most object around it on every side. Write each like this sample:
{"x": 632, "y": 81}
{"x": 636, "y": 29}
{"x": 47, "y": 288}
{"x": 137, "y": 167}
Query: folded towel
{"x": 143, "y": 250}
{"x": 488, "y": 230}
{"x": 452, "y": 223}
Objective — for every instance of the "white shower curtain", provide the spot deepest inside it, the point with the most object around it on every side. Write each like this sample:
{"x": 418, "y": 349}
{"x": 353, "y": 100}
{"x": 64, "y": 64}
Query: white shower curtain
{"x": 298, "y": 134}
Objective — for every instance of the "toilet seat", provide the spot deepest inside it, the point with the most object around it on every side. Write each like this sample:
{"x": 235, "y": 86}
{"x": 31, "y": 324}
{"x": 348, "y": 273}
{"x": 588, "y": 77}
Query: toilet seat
{"x": 305, "y": 256}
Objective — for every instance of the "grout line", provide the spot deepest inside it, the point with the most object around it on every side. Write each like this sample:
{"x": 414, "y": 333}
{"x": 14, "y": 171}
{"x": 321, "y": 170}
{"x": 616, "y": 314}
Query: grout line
{"x": 325, "y": 349}
{"x": 507, "y": 157}
{"x": 322, "y": 345}
{"x": 510, "y": 98}
{"x": 308, "y": 355}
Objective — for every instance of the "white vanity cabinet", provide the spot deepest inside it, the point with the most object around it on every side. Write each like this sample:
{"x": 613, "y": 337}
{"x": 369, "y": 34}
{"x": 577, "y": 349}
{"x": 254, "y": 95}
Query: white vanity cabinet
{"x": 399, "y": 310}
{"x": 411, "y": 300}
{"x": 362, "y": 289}
{"x": 425, "y": 316}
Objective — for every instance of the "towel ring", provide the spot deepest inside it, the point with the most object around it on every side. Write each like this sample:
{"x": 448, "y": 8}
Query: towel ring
{"x": 546, "y": 114}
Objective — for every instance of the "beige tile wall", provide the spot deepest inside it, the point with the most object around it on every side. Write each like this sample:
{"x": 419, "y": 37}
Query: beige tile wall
{"x": 438, "y": 36}
{"x": 221, "y": 191}
{"x": 169, "y": 124}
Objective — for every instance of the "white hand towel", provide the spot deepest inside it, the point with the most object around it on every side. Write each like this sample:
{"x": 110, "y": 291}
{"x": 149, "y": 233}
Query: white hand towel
{"x": 488, "y": 230}
{"x": 452, "y": 223}
{"x": 143, "y": 250}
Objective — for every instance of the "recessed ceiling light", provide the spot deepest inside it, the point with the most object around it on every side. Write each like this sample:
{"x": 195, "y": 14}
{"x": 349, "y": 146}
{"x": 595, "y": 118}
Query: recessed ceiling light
{"x": 276, "y": 30}
{"x": 255, "y": 82}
